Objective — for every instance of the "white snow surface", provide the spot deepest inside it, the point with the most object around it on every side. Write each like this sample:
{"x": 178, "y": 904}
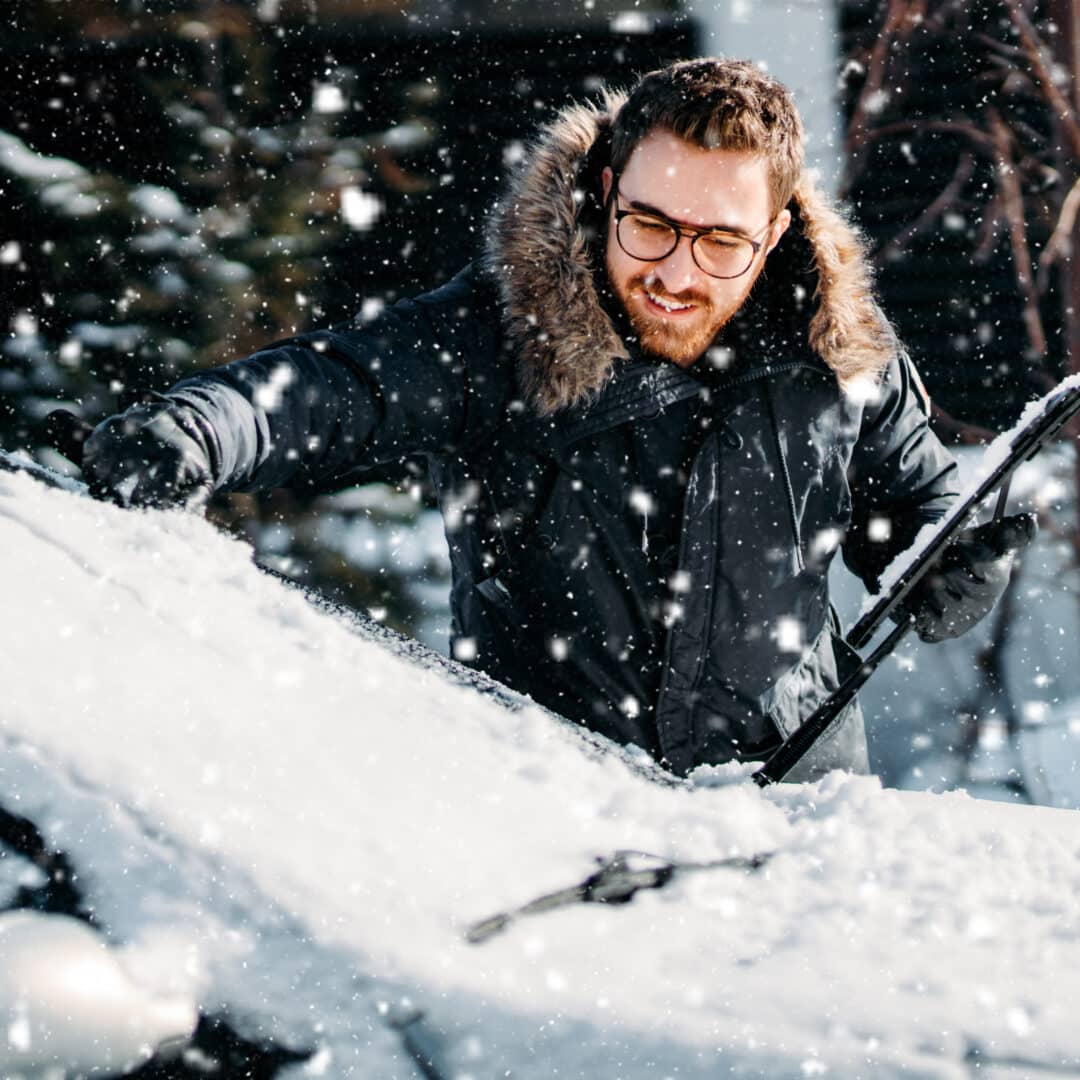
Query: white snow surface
{"x": 296, "y": 824}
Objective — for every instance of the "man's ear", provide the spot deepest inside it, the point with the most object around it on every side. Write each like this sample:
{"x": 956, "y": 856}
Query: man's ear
{"x": 780, "y": 226}
{"x": 606, "y": 177}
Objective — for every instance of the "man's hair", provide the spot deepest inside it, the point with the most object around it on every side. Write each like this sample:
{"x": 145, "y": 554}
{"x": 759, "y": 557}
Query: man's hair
{"x": 717, "y": 105}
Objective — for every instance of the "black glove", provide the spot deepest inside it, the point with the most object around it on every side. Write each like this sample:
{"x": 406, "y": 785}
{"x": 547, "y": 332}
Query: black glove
{"x": 969, "y": 577}
{"x": 150, "y": 455}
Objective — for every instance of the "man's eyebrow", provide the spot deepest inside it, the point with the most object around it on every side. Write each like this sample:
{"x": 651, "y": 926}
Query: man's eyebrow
{"x": 647, "y": 208}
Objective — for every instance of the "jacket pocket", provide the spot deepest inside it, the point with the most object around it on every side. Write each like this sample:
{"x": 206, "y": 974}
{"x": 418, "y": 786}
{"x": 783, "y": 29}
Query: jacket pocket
{"x": 495, "y": 592}
{"x": 492, "y": 632}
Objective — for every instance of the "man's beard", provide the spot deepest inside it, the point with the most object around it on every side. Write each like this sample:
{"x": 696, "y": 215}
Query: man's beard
{"x": 670, "y": 339}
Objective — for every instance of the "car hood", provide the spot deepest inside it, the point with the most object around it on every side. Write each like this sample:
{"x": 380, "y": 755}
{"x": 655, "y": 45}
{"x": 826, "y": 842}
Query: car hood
{"x": 301, "y": 822}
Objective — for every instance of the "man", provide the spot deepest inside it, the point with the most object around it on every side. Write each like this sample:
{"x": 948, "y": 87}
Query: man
{"x": 653, "y": 413}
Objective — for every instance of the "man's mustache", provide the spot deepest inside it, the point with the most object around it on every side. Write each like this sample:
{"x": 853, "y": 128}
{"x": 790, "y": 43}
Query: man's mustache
{"x": 662, "y": 294}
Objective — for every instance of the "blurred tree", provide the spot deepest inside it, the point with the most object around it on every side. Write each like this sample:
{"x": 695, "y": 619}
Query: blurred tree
{"x": 963, "y": 152}
{"x": 184, "y": 181}
{"x": 964, "y": 169}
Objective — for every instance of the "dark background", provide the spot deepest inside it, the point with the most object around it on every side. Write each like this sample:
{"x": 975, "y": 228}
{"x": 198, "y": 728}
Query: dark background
{"x": 110, "y": 289}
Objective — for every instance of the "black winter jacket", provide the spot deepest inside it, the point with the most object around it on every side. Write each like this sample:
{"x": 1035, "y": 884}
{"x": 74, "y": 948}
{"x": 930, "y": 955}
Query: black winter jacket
{"x": 702, "y": 636}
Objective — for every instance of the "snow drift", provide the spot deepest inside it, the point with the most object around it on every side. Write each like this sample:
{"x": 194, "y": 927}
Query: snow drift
{"x": 296, "y": 823}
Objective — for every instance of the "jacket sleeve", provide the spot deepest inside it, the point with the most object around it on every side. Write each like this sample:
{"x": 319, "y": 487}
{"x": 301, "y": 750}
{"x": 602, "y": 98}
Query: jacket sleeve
{"x": 426, "y": 377}
{"x": 900, "y": 476}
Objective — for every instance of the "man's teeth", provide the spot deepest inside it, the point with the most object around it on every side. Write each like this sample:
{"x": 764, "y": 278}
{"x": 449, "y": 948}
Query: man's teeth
{"x": 667, "y": 305}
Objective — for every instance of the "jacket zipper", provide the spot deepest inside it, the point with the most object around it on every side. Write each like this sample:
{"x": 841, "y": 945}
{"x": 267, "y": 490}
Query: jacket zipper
{"x": 710, "y": 603}
{"x": 764, "y": 373}
{"x": 699, "y": 668}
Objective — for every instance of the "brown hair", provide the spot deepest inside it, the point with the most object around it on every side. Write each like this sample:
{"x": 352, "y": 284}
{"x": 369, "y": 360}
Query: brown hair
{"x": 717, "y": 104}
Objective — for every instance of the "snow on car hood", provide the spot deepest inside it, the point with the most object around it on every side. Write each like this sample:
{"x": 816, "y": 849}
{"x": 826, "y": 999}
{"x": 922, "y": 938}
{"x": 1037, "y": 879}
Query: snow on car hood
{"x": 297, "y": 823}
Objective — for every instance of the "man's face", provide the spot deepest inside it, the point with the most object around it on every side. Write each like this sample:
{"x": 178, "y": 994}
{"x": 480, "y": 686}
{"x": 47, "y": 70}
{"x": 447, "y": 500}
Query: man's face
{"x": 674, "y": 307}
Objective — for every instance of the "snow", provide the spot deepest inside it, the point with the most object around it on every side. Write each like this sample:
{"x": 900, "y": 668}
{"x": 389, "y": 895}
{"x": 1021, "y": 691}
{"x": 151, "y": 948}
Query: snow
{"x": 360, "y": 209}
{"x": 631, "y": 22}
{"x": 159, "y": 204}
{"x": 287, "y": 818}
{"x": 17, "y": 158}
{"x": 61, "y": 967}
{"x": 327, "y": 98}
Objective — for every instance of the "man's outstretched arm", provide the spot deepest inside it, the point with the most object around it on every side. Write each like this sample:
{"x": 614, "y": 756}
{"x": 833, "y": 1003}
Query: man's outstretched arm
{"x": 426, "y": 376}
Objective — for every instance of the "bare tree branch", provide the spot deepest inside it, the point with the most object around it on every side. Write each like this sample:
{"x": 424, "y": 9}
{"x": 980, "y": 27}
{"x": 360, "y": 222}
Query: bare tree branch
{"x": 988, "y": 236}
{"x": 1033, "y": 49}
{"x": 1007, "y": 52}
{"x": 965, "y": 128}
{"x": 958, "y": 432}
{"x": 872, "y": 88}
{"x": 1013, "y": 202}
{"x": 949, "y": 196}
{"x": 938, "y": 21}
{"x": 1060, "y": 242}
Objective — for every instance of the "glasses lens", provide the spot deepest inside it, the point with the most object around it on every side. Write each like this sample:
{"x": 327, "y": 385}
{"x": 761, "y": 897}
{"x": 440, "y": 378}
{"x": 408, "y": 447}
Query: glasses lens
{"x": 720, "y": 254}
{"x": 646, "y": 238}
{"x": 723, "y": 254}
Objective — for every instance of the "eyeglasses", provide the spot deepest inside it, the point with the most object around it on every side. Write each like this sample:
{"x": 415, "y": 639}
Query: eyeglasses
{"x": 652, "y": 237}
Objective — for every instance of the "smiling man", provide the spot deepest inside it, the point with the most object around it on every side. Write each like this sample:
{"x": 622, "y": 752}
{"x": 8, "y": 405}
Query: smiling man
{"x": 653, "y": 412}
{"x": 679, "y": 296}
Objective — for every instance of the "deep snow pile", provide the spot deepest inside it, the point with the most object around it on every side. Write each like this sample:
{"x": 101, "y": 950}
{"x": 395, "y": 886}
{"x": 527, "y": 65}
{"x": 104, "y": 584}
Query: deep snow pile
{"x": 282, "y": 817}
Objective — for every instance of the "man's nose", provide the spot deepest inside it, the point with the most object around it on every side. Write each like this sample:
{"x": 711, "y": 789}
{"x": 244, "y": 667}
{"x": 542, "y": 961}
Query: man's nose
{"x": 678, "y": 271}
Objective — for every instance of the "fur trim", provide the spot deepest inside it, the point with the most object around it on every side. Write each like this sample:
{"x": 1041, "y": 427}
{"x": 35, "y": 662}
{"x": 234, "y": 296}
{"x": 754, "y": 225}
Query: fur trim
{"x": 537, "y": 254}
{"x": 848, "y": 330}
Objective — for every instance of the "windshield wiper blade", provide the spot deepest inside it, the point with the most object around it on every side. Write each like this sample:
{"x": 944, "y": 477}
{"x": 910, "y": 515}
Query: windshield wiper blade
{"x": 617, "y": 881}
{"x": 1047, "y": 418}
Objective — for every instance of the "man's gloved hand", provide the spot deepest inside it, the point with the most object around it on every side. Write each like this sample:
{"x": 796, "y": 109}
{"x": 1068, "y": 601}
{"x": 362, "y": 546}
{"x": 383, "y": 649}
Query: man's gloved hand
{"x": 969, "y": 577}
{"x": 150, "y": 455}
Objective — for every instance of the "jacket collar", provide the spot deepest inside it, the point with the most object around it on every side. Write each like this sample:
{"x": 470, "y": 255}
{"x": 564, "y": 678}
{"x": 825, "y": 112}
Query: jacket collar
{"x": 638, "y": 390}
{"x": 540, "y": 249}
{"x": 643, "y": 389}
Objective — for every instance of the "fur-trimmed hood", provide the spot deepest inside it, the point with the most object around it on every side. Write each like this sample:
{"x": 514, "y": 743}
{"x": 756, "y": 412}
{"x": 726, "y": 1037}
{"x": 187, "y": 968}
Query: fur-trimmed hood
{"x": 538, "y": 254}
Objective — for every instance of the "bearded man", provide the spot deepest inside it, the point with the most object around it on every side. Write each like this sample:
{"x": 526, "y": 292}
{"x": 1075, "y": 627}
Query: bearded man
{"x": 653, "y": 412}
